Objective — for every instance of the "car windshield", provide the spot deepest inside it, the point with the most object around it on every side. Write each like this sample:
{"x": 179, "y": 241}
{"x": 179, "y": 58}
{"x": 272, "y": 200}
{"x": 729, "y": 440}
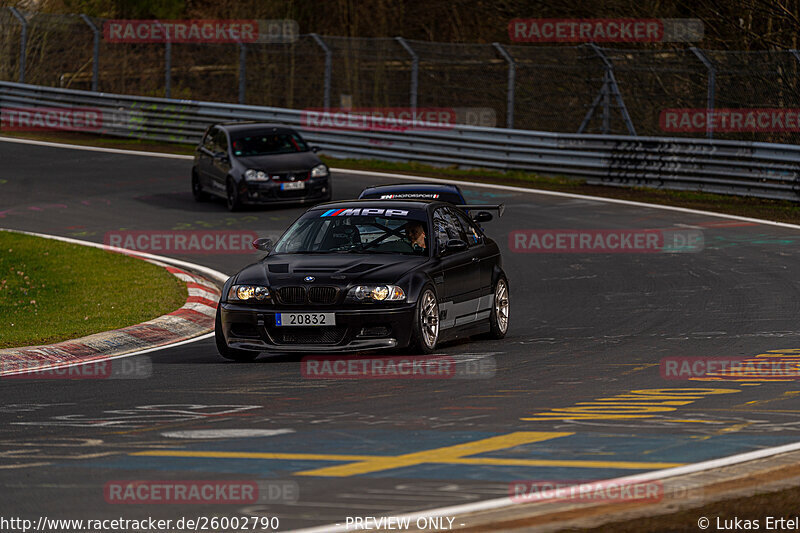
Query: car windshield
{"x": 326, "y": 232}
{"x": 268, "y": 143}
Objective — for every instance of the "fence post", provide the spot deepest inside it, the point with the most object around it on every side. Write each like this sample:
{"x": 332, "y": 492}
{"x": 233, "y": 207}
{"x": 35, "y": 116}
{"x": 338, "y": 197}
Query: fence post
{"x": 414, "y": 72}
{"x": 242, "y": 71}
{"x": 95, "y": 50}
{"x": 608, "y": 89}
{"x": 326, "y": 99}
{"x": 712, "y": 81}
{"x": 23, "y": 42}
{"x": 512, "y": 75}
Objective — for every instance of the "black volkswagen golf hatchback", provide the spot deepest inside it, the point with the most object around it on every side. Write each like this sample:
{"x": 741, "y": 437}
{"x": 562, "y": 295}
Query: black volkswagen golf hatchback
{"x": 256, "y": 163}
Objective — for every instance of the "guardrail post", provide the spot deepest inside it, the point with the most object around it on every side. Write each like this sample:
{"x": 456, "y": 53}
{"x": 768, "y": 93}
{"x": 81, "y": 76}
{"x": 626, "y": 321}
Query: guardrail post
{"x": 712, "y": 81}
{"x": 168, "y": 69}
{"x": 242, "y": 72}
{"x": 23, "y": 42}
{"x": 95, "y": 50}
{"x": 326, "y": 99}
{"x": 512, "y": 75}
{"x": 414, "y": 71}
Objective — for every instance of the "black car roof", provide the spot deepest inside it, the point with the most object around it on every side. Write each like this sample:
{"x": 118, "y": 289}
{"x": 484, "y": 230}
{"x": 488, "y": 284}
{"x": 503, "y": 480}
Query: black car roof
{"x": 236, "y": 127}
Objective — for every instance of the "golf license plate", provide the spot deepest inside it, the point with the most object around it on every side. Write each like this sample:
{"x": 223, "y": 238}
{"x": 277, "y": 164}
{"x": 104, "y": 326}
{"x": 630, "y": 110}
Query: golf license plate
{"x": 293, "y": 185}
{"x": 305, "y": 319}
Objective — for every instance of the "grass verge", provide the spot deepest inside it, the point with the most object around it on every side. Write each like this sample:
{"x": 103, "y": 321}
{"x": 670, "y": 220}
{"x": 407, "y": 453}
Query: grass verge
{"x": 41, "y": 278}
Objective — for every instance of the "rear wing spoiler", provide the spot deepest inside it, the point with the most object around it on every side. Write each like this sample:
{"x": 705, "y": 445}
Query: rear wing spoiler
{"x": 500, "y": 208}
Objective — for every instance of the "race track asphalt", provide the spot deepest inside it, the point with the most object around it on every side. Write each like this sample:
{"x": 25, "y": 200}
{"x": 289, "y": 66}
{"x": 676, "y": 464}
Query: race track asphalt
{"x": 588, "y": 335}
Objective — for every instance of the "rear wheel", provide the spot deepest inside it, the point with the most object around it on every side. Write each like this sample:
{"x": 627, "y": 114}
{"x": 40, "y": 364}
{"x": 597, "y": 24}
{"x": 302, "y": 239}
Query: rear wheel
{"x": 226, "y": 351}
{"x": 498, "y": 320}
{"x": 232, "y": 196}
{"x": 426, "y": 322}
{"x": 197, "y": 190}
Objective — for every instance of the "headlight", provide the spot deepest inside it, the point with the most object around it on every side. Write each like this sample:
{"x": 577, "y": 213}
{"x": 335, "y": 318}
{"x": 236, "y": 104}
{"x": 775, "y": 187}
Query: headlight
{"x": 376, "y": 293}
{"x": 252, "y": 174}
{"x": 248, "y": 293}
{"x": 319, "y": 171}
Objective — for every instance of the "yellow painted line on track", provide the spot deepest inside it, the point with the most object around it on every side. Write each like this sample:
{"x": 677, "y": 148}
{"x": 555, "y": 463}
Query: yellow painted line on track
{"x": 456, "y": 455}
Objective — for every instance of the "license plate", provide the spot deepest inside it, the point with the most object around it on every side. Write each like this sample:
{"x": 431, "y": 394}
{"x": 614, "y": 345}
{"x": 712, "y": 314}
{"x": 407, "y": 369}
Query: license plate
{"x": 293, "y": 185}
{"x": 305, "y": 319}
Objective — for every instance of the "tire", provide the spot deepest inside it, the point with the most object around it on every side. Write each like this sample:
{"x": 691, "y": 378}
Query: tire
{"x": 498, "y": 319}
{"x": 197, "y": 190}
{"x": 233, "y": 354}
{"x": 425, "y": 333}
{"x": 232, "y": 197}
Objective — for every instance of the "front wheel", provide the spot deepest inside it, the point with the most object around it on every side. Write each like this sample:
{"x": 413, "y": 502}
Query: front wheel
{"x": 426, "y": 323}
{"x": 232, "y": 197}
{"x": 498, "y": 320}
{"x": 197, "y": 189}
{"x": 226, "y": 351}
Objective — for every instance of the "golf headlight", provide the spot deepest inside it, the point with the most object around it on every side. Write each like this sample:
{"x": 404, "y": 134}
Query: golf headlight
{"x": 248, "y": 293}
{"x": 319, "y": 171}
{"x": 252, "y": 174}
{"x": 377, "y": 293}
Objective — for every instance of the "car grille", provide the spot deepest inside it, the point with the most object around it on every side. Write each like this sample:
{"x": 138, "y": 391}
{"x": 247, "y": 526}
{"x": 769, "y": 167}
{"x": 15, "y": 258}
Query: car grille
{"x": 315, "y": 335}
{"x": 322, "y": 295}
{"x": 315, "y": 295}
{"x": 292, "y": 295}
{"x": 287, "y": 176}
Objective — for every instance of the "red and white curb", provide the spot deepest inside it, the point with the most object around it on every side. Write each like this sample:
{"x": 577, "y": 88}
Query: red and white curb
{"x": 194, "y": 320}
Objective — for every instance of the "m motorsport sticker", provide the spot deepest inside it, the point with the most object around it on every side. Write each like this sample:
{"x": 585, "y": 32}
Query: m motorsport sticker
{"x": 365, "y": 211}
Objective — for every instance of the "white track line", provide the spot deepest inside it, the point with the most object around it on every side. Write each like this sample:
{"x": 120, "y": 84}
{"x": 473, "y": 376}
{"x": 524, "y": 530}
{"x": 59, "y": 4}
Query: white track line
{"x": 499, "y": 502}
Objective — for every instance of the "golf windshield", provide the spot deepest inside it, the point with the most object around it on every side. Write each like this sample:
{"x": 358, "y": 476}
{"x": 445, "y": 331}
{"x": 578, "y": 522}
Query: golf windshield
{"x": 321, "y": 233}
{"x": 268, "y": 143}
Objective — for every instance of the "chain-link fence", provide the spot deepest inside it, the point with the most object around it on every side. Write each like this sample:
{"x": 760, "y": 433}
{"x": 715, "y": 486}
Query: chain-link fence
{"x": 583, "y": 88}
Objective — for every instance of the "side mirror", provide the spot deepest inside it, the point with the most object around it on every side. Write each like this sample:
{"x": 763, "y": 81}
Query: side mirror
{"x": 315, "y": 149}
{"x": 455, "y": 245}
{"x": 265, "y": 245}
{"x": 482, "y": 216}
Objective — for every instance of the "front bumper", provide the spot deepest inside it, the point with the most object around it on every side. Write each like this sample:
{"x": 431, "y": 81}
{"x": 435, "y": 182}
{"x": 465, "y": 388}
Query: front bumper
{"x": 253, "y": 328}
{"x": 269, "y": 192}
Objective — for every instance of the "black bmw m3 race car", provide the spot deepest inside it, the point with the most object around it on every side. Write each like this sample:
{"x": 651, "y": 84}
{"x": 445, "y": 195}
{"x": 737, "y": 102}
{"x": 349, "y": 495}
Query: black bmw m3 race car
{"x": 365, "y": 275}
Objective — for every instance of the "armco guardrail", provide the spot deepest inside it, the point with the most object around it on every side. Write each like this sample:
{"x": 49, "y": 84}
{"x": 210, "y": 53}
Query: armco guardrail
{"x": 729, "y": 167}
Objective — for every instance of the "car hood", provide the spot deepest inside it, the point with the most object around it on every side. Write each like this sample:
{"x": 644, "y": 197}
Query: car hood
{"x": 303, "y": 161}
{"x": 329, "y": 269}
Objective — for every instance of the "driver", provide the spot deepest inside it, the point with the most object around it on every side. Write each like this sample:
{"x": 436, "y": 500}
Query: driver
{"x": 416, "y": 234}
